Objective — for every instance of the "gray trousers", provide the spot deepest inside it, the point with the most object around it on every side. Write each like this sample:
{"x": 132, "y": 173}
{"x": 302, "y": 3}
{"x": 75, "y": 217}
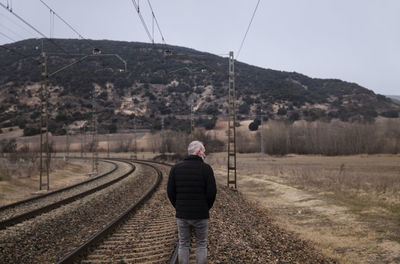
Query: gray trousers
{"x": 200, "y": 227}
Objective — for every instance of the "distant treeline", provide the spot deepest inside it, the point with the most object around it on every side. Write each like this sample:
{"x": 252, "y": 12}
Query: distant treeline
{"x": 333, "y": 138}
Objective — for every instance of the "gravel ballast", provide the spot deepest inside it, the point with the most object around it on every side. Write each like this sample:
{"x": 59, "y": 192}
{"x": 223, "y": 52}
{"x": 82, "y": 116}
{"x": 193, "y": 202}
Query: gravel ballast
{"x": 48, "y": 237}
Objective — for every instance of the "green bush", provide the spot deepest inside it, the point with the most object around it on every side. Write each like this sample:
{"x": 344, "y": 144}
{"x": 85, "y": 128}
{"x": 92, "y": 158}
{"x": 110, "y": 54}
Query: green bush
{"x": 31, "y": 131}
{"x": 391, "y": 114}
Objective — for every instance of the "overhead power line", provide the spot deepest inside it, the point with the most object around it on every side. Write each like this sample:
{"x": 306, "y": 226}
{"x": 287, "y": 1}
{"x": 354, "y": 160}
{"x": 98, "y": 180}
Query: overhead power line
{"x": 23, "y": 20}
{"x": 155, "y": 19}
{"x": 136, "y": 5}
{"x": 4, "y": 35}
{"x": 244, "y": 38}
{"x": 65, "y": 22}
{"x": 12, "y": 31}
{"x": 16, "y": 24}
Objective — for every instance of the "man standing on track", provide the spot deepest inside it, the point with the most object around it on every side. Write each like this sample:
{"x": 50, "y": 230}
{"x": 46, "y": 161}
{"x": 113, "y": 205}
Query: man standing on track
{"x": 192, "y": 190}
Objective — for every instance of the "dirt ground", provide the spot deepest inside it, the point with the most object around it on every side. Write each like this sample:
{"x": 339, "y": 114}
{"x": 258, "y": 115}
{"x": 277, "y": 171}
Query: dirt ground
{"x": 21, "y": 188}
{"x": 342, "y": 228}
{"x": 352, "y": 226}
{"x": 62, "y": 174}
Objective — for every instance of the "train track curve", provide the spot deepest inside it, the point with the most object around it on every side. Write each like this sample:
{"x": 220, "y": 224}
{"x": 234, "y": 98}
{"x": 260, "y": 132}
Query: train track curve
{"x": 18, "y": 212}
{"x": 145, "y": 233}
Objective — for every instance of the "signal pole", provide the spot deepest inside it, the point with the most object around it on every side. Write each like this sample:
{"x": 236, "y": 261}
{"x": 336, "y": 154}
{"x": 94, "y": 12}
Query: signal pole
{"x": 231, "y": 125}
{"x": 192, "y": 118}
{"x": 44, "y": 118}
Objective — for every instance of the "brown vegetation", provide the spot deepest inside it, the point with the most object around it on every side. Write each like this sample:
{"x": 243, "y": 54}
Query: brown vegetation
{"x": 334, "y": 138}
{"x": 348, "y": 205}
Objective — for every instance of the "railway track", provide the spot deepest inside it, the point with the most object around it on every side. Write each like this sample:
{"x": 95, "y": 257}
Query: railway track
{"x": 18, "y": 212}
{"x": 137, "y": 225}
{"x": 50, "y": 236}
{"x": 145, "y": 233}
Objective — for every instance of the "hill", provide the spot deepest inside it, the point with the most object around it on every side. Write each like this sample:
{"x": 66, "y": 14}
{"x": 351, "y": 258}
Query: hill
{"x": 395, "y": 98}
{"x": 160, "y": 83}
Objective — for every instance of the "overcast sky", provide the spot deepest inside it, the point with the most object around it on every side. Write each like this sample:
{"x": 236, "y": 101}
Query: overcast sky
{"x": 352, "y": 40}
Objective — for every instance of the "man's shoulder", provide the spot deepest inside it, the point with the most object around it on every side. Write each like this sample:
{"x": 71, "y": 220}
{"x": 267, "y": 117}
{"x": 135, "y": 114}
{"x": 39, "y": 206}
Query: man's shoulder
{"x": 179, "y": 163}
{"x": 207, "y": 167}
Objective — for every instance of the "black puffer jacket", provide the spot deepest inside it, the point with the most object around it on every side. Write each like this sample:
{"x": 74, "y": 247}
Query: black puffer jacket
{"x": 191, "y": 188}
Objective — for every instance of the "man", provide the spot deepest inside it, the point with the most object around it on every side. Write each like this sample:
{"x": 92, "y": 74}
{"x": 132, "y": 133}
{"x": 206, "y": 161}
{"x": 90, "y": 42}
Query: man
{"x": 192, "y": 190}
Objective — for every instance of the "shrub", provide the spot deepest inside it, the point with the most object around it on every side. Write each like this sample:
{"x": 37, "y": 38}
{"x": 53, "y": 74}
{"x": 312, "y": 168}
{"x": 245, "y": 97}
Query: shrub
{"x": 30, "y": 131}
{"x": 8, "y": 146}
{"x": 207, "y": 123}
{"x": 391, "y": 114}
{"x": 253, "y": 126}
{"x": 282, "y": 111}
{"x": 294, "y": 116}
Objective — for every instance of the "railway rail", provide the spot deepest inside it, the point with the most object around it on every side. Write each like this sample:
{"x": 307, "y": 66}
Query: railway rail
{"x": 18, "y": 212}
{"x": 48, "y": 237}
{"x": 137, "y": 225}
{"x": 144, "y": 233}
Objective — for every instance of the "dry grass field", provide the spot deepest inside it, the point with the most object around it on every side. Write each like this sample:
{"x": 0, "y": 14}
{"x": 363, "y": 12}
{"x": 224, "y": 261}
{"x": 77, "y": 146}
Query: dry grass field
{"x": 349, "y": 206}
{"x": 20, "y": 180}
{"x": 22, "y": 185}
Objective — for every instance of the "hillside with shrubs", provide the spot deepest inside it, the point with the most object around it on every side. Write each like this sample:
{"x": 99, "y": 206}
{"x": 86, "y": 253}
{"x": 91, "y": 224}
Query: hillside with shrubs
{"x": 158, "y": 87}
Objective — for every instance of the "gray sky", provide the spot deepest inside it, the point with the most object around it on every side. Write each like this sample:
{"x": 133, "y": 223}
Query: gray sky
{"x": 352, "y": 40}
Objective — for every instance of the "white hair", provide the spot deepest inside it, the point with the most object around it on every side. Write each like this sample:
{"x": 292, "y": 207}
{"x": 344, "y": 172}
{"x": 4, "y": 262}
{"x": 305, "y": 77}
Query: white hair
{"x": 194, "y": 146}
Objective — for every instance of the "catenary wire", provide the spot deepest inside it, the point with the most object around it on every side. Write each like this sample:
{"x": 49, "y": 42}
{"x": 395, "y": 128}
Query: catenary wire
{"x": 32, "y": 27}
{"x": 141, "y": 18}
{"x": 244, "y": 38}
{"x": 16, "y": 24}
{"x": 155, "y": 18}
{"x": 4, "y": 35}
{"x": 23, "y": 20}
{"x": 66, "y": 23}
{"x": 12, "y": 31}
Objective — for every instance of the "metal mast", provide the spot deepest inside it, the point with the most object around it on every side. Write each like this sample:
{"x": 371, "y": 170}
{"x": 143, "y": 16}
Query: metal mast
{"x": 44, "y": 127}
{"x": 67, "y": 145}
{"x": 108, "y": 145}
{"x": 192, "y": 117}
{"x": 231, "y": 125}
{"x": 262, "y": 136}
{"x": 94, "y": 139}
{"x": 134, "y": 154}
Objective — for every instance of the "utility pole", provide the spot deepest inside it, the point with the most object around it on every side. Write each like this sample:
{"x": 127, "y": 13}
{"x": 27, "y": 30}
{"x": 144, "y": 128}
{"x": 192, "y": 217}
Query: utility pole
{"x": 134, "y": 155}
{"x": 44, "y": 112}
{"x": 192, "y": 118}
{"x": 231, "y": 180}
{"x": 108, "y": 145}
{"x": 262, "y": 136}
{"x": 82, "y": 145}
{"x": 44, "y": 118}
{"x": 94, "y": 139}
{"x": 67, "y": 145}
